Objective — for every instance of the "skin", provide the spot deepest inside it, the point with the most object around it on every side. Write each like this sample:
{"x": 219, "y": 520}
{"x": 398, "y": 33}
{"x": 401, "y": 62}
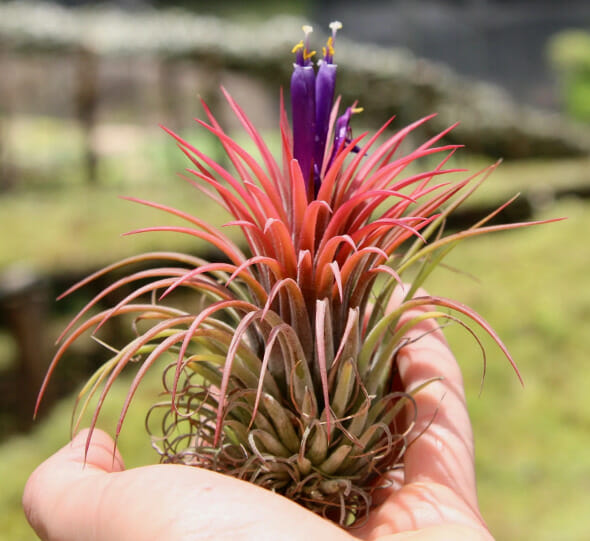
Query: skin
{"x": 66, "y": 500}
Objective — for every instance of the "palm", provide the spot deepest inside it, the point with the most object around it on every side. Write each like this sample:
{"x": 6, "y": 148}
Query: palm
{"x": 430, "y": 507}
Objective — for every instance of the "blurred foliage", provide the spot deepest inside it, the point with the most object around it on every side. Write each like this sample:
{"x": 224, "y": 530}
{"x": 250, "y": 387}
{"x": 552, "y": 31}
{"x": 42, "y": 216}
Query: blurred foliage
{"x": 238, "y": 9}
{"x": 569, "y": 54}
{"x": 570, "y": 50}
{"x": 391, "y": 80}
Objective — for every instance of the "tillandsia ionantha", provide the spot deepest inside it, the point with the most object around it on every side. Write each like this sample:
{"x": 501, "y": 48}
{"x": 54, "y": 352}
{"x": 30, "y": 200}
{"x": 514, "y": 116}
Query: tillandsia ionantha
{"x": 286, "y": 375}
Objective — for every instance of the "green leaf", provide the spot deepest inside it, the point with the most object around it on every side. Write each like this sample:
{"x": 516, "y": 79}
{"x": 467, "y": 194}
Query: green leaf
{"x": 282, "y": 423}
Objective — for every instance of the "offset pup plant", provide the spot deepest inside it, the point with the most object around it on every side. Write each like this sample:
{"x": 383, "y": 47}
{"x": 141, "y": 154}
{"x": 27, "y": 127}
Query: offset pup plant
{"x": 287, "y": 376}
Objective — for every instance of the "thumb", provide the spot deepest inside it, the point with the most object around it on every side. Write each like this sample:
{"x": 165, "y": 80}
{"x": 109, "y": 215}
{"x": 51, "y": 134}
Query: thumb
{"x": 66, "y": 500}
{"x": 45, "y": 491}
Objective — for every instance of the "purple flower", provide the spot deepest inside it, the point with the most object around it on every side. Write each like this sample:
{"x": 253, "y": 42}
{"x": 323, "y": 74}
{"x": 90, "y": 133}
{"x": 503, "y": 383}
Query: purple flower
{"x": 324, "y": 88}
{"x": 342, "y": 130}
{"x": 303, "y": 106}
{"x": 312, "y": 99}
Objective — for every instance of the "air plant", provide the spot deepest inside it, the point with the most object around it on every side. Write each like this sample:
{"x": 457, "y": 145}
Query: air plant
{"x": 286, "y": 375}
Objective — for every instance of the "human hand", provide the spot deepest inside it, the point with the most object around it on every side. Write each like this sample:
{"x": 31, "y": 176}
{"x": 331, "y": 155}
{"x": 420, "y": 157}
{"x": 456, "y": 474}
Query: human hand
{"x": 67, "y": 500}
{"x": 438, "y": 498}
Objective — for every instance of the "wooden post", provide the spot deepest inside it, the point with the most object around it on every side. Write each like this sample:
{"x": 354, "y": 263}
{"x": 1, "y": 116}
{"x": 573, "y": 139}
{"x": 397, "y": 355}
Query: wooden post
{"x": 87, "y": 105}
{"x": 7, "y": 179}
{"x": 23, "y": 310}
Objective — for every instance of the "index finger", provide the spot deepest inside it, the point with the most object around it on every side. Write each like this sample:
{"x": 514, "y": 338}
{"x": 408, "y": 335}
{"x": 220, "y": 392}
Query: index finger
{"x": 442, "y": 451}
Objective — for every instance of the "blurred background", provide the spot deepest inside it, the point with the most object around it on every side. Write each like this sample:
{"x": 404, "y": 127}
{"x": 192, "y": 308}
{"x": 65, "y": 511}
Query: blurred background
{"x": 83, "y": 89}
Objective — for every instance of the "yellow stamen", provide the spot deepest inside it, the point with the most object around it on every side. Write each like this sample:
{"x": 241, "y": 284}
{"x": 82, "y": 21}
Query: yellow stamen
{"x": 303, "y": 45}
{"x": 297, "y": 47}
{"x": 307, "y": 29}
{"x": 330, "y": 46}
{"x": 357, "y": 110}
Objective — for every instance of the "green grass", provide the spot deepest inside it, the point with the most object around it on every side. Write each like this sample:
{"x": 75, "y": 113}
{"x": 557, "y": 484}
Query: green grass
{"x": 82, "y": 227}
{"x": 537, "y": 178}
{"x": 59, "y": 221}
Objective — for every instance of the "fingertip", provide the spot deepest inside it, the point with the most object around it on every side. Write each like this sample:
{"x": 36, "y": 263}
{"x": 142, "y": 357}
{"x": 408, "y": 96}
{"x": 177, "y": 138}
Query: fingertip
{"x": 95, "y": 448}
{"x": 51, "y": 484}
